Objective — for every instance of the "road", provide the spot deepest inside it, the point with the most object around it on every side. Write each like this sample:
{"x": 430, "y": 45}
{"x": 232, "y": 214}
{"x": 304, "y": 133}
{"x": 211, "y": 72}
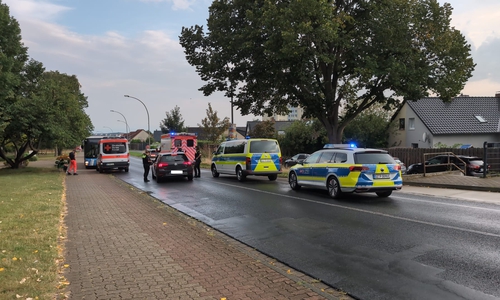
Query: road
{"x": 408, "y": 246}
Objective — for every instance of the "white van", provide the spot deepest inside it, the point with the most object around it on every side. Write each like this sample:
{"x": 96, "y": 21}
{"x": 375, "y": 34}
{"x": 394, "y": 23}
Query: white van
{"x": 113, "y": 155}
{"x": 259, "y": 157}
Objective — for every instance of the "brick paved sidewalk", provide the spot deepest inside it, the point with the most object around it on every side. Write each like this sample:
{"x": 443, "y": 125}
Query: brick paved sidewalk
{"x": 123, "y": 244}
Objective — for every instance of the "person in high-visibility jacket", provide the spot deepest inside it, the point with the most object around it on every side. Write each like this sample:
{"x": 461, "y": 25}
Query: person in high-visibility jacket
{"x": 146, "y": 163}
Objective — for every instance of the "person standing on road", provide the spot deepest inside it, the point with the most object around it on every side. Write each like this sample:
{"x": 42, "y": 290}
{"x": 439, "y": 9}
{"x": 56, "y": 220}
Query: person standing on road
{"x": 197, "y": 162}
{"x": 72, "y": 162}
{"x": 146, "y": 163}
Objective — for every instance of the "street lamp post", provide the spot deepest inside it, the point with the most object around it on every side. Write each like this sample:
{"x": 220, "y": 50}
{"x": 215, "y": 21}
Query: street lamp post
{"x": 126, "y": 123}
{"x": 126, "y": 127}
{"x": 149, "y": 135}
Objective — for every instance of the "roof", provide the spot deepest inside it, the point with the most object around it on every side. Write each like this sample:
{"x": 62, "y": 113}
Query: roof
{"x": 463, "y": 115}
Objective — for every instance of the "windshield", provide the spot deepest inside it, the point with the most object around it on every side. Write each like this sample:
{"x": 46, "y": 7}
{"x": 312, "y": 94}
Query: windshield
{"x": 373, "y": 158}
{"x": 264, "y": 147}
{"x": 114, "y": 148}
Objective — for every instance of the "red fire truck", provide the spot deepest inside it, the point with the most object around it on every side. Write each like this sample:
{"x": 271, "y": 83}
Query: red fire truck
{"x": 179, "y": 142}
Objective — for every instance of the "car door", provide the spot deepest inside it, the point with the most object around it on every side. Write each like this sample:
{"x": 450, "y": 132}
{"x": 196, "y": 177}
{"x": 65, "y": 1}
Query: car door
{"x": 304, "y": 171}
{"x": 321, "y": 167}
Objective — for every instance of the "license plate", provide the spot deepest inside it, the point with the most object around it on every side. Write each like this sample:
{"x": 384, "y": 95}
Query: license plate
{"x": 382, "y": 176}
{"x": 265, "y": 160}
{"x": 110, "y": 164}
{"x": 176, "y": 172}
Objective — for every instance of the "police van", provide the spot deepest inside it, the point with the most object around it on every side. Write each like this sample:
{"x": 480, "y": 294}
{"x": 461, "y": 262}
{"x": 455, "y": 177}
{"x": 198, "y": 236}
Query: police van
{"x": 259, "y": 157}
{"x": 113, "y": 155}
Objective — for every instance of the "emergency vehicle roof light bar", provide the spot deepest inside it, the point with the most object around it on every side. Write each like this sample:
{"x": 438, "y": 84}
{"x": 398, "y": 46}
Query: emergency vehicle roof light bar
{"x": 339, "y": 146}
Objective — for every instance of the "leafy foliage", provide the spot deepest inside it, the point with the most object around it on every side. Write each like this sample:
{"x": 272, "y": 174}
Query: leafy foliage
{"x": 333, "y": 58}
{"x": 38, "y": 108}
{"x": 369, "y": 129}
{"x": 213, "y": 126}
{"x": 264, "y": 129}
{"x": 173, "y": 122}
{"x": 302, "y": 137}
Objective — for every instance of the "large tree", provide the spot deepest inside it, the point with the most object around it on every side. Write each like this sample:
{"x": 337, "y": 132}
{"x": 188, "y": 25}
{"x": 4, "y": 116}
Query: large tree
{"x": 213, "y": 126}
{"x": 13, "y": 56}
{"x": 334, "y": 58}
{"x": 47, "y": 111}
{"x": 173, "y": 121}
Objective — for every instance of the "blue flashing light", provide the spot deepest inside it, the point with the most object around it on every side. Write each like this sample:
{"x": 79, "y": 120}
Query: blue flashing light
{"x": 172, "y": 133}
{"x": 353, "y": 145}
{"x": 247, "y": 137}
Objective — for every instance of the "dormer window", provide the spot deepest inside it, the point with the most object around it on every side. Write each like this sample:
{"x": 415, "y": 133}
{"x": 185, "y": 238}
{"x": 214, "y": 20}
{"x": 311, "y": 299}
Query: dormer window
{"x": 480, "y": 119}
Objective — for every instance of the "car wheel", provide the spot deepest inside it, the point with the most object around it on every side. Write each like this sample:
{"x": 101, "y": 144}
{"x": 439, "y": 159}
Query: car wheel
{"x": 292, "y": 180}
{"x": 126, "y": 170}
{"x": 158, "y": 179}
{"x": 333, "y": 187}
{"x": 214, "y": 172}
{"x": 273, "y": 177}
{"x": 239, "y": 174}
{"x": 384, "y": 194}
{"x": 190, "y": 177}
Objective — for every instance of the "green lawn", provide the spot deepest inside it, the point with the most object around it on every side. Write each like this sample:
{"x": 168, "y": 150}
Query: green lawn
{"x": 31, "y": 232}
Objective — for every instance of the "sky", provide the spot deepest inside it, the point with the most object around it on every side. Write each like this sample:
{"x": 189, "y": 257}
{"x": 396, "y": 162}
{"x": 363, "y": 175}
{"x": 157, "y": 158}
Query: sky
{"x": 131, "y": 47}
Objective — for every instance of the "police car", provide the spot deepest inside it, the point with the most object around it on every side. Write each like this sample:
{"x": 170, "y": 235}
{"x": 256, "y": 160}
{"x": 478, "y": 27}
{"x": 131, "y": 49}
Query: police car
{"x": 340, "y": 168}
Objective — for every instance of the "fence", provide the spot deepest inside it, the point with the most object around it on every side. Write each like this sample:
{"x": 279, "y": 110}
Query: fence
{"x": 416, "y": 155}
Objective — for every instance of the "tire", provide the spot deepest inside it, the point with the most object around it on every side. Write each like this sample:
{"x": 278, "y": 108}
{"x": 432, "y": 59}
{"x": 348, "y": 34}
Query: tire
{"x": 214, "y": 171}
{"x": 292, "y": 180}
{"x": 158, "y": 179}
{"x": 384, "y": 194}
{"x": 190, "y": 177}
{"x": 239, "y": 174}
{"x": 333, "y": 187}
{"x": 273, "y": 177}
{"x": 126, "y": 170}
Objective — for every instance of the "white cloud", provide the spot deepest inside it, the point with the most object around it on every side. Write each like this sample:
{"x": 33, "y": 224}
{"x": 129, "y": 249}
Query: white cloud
{"x": 176, "y": 4}
{"x": 31, "y": 9}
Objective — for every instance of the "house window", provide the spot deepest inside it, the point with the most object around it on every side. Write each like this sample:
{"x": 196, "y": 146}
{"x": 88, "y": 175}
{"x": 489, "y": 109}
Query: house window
{"x": 411, "y": 123}
{"x": 414, "y": 145}
{"x": 481, "y": 119}
{"x": 402, "y": 124}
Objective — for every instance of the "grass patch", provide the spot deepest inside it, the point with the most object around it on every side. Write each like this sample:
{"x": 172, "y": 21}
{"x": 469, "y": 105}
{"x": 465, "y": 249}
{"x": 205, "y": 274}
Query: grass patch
{"x": 31, "y": 208}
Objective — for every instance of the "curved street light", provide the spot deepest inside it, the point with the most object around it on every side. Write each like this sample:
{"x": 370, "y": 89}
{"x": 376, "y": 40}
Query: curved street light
{"x": 109, "y": 128}
{"x": 126, "y": 127}
{"x": 149, "y": 135}
{"x": 126, "y": 123}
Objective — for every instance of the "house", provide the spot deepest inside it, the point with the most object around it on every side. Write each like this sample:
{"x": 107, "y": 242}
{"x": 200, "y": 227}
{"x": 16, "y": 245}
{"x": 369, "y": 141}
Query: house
{"x": 139, "y": 134}
{"x": 240, "y": 133}
{"x": 430, "y": 122}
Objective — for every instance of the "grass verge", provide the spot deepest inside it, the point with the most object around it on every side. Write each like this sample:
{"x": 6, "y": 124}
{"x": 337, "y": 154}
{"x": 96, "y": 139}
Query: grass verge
{"x": 31, "y": 213}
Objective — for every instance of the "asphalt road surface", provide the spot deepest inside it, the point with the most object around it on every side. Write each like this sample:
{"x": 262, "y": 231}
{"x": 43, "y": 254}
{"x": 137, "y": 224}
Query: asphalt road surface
{"x": 407, "y": 246}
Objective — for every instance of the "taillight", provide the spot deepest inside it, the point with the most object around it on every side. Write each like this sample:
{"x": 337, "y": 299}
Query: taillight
{"x": 248, "y": 162}
{"x": 187, "y": 163}
{"x": 162, "y": 165}
{"x": 358, "y": 168}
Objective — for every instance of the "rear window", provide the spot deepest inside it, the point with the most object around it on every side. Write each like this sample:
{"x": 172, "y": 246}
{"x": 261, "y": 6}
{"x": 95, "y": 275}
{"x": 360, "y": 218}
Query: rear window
{"x": 174, "y": 158}
{"x": 114, "y": 148}
{"x": 264, "y": 147}
{"x": 373, "y": 158}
